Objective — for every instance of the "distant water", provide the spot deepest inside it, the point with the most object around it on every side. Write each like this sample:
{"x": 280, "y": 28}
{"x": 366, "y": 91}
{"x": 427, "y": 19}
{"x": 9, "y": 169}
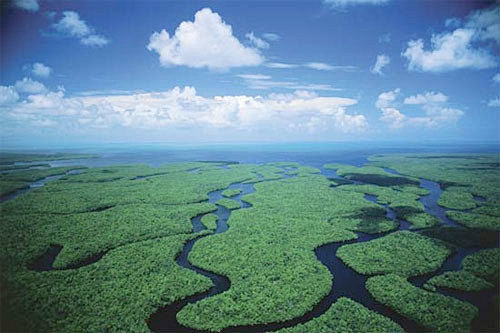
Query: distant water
{"x": 313, "y": 154}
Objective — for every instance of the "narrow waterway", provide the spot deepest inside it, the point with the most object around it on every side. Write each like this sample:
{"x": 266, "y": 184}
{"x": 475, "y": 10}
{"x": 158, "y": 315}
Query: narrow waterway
{"x": 36, "y": 184}
{"x": 164, "y": 319}
{"x": 346, "y": 282}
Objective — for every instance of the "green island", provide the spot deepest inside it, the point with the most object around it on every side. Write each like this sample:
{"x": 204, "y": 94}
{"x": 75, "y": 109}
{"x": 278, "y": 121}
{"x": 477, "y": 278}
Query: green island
{"x": 402, "y": 252}
{"x": 231, "y": 192}
{"x": 436, "y": 312}
{"x": 98, "y": 249}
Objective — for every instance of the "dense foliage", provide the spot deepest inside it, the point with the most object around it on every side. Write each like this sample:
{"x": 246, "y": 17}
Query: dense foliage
{"x": 115, "y": 294}
{"x": 402, "y": 252}
{"x": 231, "y": 192}
{"x": 228, "y": 203}
{"x": 209, "y": 221}
{"x": 267, "y": 253}
{"x": 473, "y": 220}
{"x": 485, "y": 264}
{"x": 434, "y": 311}
{"x": 461, "y": 280}
{"x": 346, "y": 316}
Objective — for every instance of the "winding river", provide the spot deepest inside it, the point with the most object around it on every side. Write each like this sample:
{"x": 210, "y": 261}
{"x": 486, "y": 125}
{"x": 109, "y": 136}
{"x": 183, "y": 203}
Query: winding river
{"x": 347, "y": 283}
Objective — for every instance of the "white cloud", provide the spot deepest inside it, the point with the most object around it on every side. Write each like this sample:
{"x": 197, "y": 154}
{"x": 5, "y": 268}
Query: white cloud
{"x": 94, "y": 40}
{"x": 320, "y": 66}
{"x": 270, "y": 36}
{"x": 426, "y": 98}
{"x": 486, "y": 23}
{"x": 263, "y": 82}
{"x": 72, "y": 25}
{"x": 41, "y": 70}
{"x": 29, "y": 86}
{"x": 345, "y": 3}
{"x": 386, "y": 98}
{"x": 436, "y": 113}
{"x": 256, "y": 41}
{"x": 184, "y": 108}
{"x": 206, "y": 42}
{"x": 496, "y": 78}
{"x": 31, "y": 5}
{"x": 494, "y": 103}
{"x": 460, "y": 48}
{"x": 280, "y": 65}
{"x": 254, "y": 76}
{"x": 382, "y": 61}
{"x": 8, "y": 95}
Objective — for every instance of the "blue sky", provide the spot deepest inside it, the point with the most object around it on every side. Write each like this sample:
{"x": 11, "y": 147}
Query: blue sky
{"x": 230, "y": 71}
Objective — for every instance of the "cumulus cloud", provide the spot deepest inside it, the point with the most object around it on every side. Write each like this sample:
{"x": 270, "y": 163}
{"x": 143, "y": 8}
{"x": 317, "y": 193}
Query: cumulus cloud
{"x": 41, "y": 70}
{"x": 184, "y": 108}
{"x": 256, "y": 41}
{"x": 205, "y": 42}
{"x": 71, "y": 25}
{"x": 271, "y": 36}
{"x": 460, "y": 48}
{"x": 29, "y": 86}
{"x": 494, "y": 103}
{"x": 30, "y": 5}
{"x": 8, "y": 95}
{"x": 94, "y": 40}
{"x": 496, "y": 78}
{"x": 382, "y": 61}
{"x": 426, "y": 98}
{"x": 436, "y": 113}
{"x": 345, "y": 3}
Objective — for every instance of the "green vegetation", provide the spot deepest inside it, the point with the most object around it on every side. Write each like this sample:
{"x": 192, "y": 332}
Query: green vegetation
{"x": 404, "y": 203}
{"x": 11, "y": 182}
{"x": 140, "y": 224}
{"x": 210, "y": 221}
{"x": 456, "y": 197}
{"x": 477, "y": 174}
{"x": 139, "y": 217}
{"x": 67, "y": 196}
{"x": 371, "y": 174}
{"x": 404, "y": 253}
{"x": 472, "y": 220}
{"x": 228, "y": 203}
{"x": 461, "y": 280}
{"x": 436, "y": 312}
{"x": 11, "y": 158}
{"x": 86, "y": 234}
{"x": 463, "y": 237}
{"x": 231, "y": 192}
{"x": 346, "y": 316}
{"x": 484, "y": 264}
{"x": 267, "y": 254}
{"x": 115, "y": 294}
{"x": 370, "y": 220}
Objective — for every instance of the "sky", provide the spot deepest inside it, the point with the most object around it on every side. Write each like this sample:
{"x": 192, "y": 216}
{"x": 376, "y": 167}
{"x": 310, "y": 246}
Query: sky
{"x": 83, "y": 72}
